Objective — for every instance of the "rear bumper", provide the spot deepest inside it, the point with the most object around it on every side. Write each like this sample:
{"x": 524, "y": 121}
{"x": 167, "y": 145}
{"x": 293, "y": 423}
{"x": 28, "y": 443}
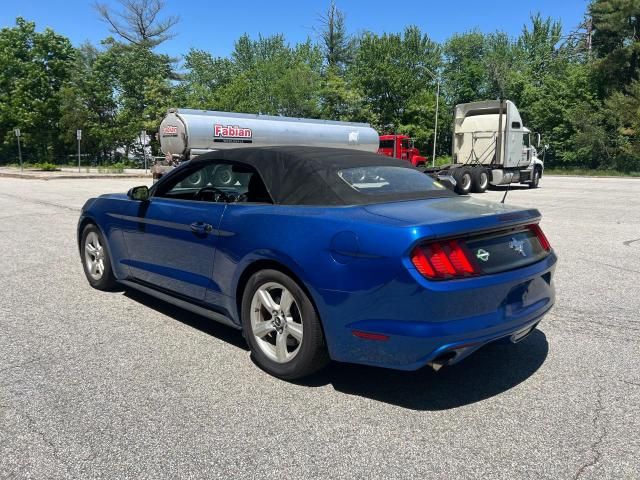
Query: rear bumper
{"x": 430, "y": 322}
{"x": 448, "y": 351}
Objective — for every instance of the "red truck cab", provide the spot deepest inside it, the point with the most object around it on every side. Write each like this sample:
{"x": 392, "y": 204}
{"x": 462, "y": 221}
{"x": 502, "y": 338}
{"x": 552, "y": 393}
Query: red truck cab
{"x": 404, "y": 149}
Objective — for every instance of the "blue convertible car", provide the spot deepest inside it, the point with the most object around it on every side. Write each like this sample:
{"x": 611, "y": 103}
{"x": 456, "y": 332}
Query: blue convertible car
{"x": 321, "y": 254}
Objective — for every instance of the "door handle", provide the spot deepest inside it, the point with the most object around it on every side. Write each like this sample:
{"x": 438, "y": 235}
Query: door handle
{"x": 201, "y": 228}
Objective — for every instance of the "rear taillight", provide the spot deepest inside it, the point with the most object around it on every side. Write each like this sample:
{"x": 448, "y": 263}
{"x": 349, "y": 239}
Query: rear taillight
{"x": 442, "y": 260}
{"x": 449, "y": 259}
{"x": 544, "y": 243}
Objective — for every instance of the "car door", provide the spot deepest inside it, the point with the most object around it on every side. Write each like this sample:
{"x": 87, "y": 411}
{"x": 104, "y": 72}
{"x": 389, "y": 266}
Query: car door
{"x": 171, "y": 237}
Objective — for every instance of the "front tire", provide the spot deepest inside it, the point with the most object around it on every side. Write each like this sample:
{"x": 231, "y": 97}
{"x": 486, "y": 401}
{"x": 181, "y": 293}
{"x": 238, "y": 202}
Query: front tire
{"x": 96, "y": 260}
{"x": 535, "y": 180}
{"x": 282, "y": 327}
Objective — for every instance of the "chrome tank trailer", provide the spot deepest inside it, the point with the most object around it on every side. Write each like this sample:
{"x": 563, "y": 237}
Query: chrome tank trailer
{"x": 187, "y": 133}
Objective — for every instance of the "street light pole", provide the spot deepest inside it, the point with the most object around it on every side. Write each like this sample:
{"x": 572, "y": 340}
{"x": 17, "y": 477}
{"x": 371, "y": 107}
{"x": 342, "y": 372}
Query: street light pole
{"x": 435, "y": 128}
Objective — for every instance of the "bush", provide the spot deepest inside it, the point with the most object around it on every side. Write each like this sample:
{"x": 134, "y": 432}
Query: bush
{"x": 113, "y": 168}
{"x": 627, "y": 163}
{"x": 441, "y": 160}
{"x": 120, "y": 166}
{"x": 46, "y": 167}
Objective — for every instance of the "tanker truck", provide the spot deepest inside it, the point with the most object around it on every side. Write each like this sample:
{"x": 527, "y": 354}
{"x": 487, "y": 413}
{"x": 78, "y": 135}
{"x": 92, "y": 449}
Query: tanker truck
{"x": 491, "y": 146}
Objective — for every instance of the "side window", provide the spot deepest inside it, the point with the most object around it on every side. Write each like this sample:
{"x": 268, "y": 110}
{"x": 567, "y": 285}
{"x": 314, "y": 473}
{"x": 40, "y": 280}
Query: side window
{"x": 216, "y": 182}
{"x": 185, "y": 186}
{"x": 526, "y": 140}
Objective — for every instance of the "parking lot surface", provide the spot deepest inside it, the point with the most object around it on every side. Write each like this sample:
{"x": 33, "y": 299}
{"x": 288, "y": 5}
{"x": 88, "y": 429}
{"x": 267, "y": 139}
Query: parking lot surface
{"x": 119, "y": 385}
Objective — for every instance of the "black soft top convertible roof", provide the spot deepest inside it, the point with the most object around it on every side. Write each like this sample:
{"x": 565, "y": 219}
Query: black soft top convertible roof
{"x": 308, "y": 175}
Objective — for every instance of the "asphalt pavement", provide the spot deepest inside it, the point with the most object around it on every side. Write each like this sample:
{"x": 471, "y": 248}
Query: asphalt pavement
{"x": 118, "y": 385}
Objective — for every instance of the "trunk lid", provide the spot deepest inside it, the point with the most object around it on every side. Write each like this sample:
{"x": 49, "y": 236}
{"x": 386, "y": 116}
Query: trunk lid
{"x": 454, "y": 216}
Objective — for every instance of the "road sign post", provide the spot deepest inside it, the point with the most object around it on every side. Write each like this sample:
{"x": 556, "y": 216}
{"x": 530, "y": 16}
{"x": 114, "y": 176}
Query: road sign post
{"x": 79, "y": 137}
{"x": 17, "y": 132}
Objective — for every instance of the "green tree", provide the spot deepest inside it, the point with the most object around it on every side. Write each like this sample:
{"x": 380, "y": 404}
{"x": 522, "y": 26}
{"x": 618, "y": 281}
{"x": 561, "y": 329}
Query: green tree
{"x": 392, "y": 70}
{"x": 622, "y": 111}
{"x": 138, "y": 82}
{"x": 205, "y": 76}
{"x": 35, "y": 66}
{"x": 342, "y": 101}
{"x": 265, "y": 76}
{"x": 464, "y": 70}
{"x": 87, "y": 103}
{"x": 616, "y": 41}
{"x": 538, "y": 45}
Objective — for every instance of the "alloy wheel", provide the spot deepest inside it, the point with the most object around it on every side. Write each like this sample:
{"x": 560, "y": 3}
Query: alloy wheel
{"x": 94, "y": 255}
{"x": 276, "y": 322}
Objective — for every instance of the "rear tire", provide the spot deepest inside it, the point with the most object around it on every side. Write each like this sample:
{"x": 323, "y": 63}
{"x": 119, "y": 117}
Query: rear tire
{"x": 282, "y": 327}
{"x": 96, "y": 260}
{"x": 479, "y": 180}
{"x": 463, "y": 179}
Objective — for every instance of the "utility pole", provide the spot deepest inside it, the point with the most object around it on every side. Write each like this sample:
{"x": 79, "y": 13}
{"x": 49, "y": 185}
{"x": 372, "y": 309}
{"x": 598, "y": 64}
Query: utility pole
{"x": 17, "y": 132}
{"x": 79, "y": 137}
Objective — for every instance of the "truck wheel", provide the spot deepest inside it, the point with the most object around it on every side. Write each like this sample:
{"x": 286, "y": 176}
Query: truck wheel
{"x": 282, "y": 327}
{"x": 463, "y": 179}
{"x": 479, "y": 180}
{"x": 535, "y": 179}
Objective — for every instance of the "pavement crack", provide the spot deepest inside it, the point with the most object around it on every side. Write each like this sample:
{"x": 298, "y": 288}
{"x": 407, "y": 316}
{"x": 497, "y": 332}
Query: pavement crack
{"x": 23, "y": 215}
{"x": 31, "y": 426}
{"x": 616, "y": 267}
{"x": 601, "y": 430}
{"x": 628, "y": 243}
{"x": 630, "y": 383}
{"x": 41, "y": 202}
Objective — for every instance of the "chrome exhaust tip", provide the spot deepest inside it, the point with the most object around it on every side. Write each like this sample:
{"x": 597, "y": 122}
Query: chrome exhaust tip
{"x": 443, "y": 359}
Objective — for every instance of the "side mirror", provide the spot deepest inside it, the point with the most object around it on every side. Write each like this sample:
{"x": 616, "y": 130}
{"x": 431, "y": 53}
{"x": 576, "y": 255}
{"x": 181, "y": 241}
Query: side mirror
{"x": 538, "y": 140}
{"x": 139, "y": 193}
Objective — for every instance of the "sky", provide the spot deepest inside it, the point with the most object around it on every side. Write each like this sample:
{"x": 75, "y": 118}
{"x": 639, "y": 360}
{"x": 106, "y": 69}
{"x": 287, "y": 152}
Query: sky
{"x": 215, "y": 25}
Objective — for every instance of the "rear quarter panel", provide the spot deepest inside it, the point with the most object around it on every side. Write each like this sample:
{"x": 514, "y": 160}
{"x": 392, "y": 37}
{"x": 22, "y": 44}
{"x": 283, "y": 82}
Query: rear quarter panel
{"x": 328, "y": 248}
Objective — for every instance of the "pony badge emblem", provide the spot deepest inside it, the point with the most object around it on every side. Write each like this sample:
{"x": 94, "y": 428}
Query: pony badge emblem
{"x": 517, "y": 246}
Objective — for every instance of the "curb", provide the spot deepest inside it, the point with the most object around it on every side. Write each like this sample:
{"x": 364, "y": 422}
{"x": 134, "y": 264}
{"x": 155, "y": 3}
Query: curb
{"x": 591, "y": 176}
{"x": 71, "y": 177}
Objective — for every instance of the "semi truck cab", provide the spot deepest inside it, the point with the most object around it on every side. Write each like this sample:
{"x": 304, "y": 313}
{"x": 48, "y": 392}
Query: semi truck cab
{"x": 491, "y": 146}
{"x": 402, "y": 147}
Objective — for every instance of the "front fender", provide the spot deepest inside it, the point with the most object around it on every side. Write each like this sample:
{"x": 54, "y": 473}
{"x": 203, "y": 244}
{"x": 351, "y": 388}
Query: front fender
{"x": 537, "y": 162}
{"x": 86, "y": 219}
